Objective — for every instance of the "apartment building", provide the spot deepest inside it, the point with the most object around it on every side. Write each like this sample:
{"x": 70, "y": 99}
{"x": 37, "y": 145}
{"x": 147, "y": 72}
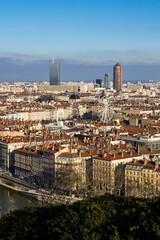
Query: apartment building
{"x": 142, "y": 178}
{"x": 28, "y": 161}
{"x": 9, "y": 144}
{"x": 37, "y": 160}
{"x": 108, "y": 171}
{"x": 70, "y": 168}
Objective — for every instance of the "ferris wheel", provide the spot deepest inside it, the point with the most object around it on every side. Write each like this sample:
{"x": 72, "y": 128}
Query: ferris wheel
{"x": 106, "y": 112}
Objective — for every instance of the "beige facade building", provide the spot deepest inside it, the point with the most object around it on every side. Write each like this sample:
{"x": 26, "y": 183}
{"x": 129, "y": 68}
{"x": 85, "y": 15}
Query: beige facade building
{"x": 108, "y": 172}
{"x": 142, "y": 179}
{"x": 36, "y": 161}
{"x": 59, "y": 88}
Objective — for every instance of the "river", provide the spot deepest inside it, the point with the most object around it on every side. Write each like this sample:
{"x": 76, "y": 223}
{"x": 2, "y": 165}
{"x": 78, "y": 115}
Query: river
{"x": 10, "y": 199}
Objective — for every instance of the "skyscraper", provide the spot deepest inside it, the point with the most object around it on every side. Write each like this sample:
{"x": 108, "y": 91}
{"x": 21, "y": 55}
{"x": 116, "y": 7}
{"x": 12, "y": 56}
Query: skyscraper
{"x": 54, "y": 71}
{"x": 99, "y": 81}
{"x": 117, "y": 77}
{"x": 107, "y": 81}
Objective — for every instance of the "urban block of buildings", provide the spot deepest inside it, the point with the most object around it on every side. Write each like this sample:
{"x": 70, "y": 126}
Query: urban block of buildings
{"x": 105, "y": 137}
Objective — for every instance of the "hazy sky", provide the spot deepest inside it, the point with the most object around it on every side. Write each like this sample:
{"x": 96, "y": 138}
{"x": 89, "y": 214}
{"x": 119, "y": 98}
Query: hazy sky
{"x": 88, "y": 36}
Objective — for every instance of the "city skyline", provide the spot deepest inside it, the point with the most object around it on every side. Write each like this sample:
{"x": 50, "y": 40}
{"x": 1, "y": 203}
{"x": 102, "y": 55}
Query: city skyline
{"x": 83, "y": 35}
{"x": 38, "y": 71}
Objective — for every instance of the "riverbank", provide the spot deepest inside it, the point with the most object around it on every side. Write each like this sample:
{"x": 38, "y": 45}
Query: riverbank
{"x": 29, "y": 193}
{"x": 41, "y": 195}
{"x": 11, "y": 187}
{"x": 11, "y": 199}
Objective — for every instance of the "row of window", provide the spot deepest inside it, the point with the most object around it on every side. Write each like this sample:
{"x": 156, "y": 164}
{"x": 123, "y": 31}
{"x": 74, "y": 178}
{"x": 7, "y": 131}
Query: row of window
{"x": 142, "y": 174}
{"x": 146, "y": 180}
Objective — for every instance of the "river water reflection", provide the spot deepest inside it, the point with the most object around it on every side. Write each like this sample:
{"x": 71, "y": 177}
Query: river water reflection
{"x": 10, "y": 199}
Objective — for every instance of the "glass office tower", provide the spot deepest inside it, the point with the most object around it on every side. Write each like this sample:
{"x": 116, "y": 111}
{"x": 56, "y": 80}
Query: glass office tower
{"x": 99, "y": 81}
{"x": 107, "y": 81}
{"x": 54, "y": 71}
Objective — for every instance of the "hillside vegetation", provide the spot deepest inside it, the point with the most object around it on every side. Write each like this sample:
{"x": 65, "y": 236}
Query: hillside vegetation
{"x": 106, "y": 217}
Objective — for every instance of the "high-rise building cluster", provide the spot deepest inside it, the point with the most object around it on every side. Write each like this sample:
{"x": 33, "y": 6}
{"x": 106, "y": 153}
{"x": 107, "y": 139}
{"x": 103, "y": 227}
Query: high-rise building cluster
{"x": 54, "y": 72}
{"x": 117, "y": 79}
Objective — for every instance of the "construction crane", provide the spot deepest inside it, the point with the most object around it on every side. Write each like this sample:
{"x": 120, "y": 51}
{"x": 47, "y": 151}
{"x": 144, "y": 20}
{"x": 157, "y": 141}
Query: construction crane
{"x": 122, "y": 120}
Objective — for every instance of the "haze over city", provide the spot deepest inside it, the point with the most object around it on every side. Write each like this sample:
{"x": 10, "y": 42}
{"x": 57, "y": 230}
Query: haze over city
{"x": 88, "y": 37}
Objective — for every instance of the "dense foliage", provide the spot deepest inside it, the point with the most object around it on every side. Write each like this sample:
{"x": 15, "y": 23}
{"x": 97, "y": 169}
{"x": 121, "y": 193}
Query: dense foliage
{"x": 106, "y": 217}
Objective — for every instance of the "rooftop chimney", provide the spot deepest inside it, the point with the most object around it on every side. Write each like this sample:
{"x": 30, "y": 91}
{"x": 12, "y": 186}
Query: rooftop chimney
{"x": 70, "y": 146}
{"x": 138, "y": 149}
{"x": 104, "y": 155}
{"x": 80, "y": 153}
{"x": 24, "y": 146}
{"x": 134, "y": 160}
{"x": 60, "y": 150}
{"x": 145, "y": 161}
{"x": 156, "y": 164}
{"x": 36, "y": 148}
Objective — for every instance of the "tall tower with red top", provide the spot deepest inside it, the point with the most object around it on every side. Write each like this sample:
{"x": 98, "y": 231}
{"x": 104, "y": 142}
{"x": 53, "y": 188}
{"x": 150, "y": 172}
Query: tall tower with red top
{"x": 117, "y": 77}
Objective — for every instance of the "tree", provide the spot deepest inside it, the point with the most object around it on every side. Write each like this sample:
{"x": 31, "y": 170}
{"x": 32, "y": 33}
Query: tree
{"x": 67, "y": 180}
{"x": 88, "y": 186}
{"x": 55, "y": 188}
{"x": 119, "y": 181}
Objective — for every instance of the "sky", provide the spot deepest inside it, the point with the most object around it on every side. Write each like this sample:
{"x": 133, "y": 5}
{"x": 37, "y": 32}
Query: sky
{"x": 88, "y": 37}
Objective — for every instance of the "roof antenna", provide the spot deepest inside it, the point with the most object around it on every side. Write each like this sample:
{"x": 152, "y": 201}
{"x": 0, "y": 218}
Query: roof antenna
{"x": 52, "y": 59}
